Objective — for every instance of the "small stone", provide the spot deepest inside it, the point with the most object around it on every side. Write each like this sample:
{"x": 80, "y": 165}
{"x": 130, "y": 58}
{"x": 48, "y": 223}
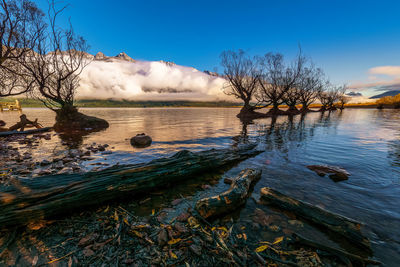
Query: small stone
{"x": 66, "y": 160}
{"x": 59, "y": 165}
{"x": 180, "y": 227}
{"x": 87, "y": 252}
{"x": 183, "y": 217}
{"x": 44, "y": 162}
{"x": 66, "y": 170}
{"x": 162, "y": 237}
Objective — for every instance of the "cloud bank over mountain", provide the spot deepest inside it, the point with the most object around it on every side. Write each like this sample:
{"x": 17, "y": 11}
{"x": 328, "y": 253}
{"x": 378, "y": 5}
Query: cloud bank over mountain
{"x": 121, "y": 77}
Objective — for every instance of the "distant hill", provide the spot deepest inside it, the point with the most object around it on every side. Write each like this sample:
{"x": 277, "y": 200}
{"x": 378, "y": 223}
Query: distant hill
{"x": 388, "y": 93}
{"x": 100, "y": 103}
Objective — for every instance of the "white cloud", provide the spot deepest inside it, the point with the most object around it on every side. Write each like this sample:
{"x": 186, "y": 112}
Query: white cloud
{"x": 386, "y": 70}
{"x": 383, "y": 78}
{"x": 148, "y": 80}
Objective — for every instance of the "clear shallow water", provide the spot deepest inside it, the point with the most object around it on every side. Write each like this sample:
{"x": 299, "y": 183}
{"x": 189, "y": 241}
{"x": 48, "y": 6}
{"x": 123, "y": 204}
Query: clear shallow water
{"x": 365, "y": 142}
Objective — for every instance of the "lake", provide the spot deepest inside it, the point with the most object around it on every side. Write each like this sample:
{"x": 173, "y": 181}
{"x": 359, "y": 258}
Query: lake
{"x": 365, "y": 142}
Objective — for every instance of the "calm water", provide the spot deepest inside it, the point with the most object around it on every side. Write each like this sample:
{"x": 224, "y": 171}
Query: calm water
{"x": 365, "y": 142}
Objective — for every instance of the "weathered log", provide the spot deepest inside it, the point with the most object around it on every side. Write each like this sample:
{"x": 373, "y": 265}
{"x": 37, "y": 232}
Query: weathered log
{"x": 347, "y": 228}
{"x": 55, "y": 195}
{"x": 358, "y": 260}
{"x": 229, "y": 200}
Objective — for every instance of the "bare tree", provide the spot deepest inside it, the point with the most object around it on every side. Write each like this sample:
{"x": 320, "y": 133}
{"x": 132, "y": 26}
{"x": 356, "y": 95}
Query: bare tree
{"x": 291, "y": 99}
{"x": 243, "y": 74}
{"x": 278, "y": 79}
{"x": 21, "y": 25}
{"x": 342, "y": 98}
{"x": 55, "y": 65}
{"x": 310, "y": 86}
{"x": 330, "y": 96}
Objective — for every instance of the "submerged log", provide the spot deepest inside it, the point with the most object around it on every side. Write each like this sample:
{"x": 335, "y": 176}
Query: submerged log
{"x": 230, "y": 199}
{"x": 347, "y": 228}
{"x": 341, "y": 254}
{"x": 337, "y": 174}
{"x": 55, "y": 195}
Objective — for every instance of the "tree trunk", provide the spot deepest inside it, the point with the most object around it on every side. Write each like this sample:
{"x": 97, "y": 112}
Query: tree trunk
{"x": 341, "y": 225}
{"x": 274, "y": 111}
{"x": 305, "y": 108}
{"x": 323, "y": 108}
{"x": 247, "y": 113}
{"x": 55, "y": 195}
{"x": 230, "y": 199}
{"x": 292, "y": 110}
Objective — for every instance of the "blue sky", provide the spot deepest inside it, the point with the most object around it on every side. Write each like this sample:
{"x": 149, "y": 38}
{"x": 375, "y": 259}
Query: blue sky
{"x": 346, "y": 38}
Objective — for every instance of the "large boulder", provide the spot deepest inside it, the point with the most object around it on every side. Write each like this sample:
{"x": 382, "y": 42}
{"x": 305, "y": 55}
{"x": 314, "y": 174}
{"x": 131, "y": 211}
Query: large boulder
{"x": 141, "y": 140}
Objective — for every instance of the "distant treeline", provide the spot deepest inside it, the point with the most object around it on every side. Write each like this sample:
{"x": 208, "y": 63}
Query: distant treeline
{"x": 391, "y": 101}
{"x": 28, "y": 102}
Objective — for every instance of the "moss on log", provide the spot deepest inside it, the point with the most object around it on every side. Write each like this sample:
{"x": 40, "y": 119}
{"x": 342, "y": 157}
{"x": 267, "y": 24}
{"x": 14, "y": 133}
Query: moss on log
{"x": 56, "y": 195}
{"x": 230, "y": 199}
{"x": 347, "y": 228}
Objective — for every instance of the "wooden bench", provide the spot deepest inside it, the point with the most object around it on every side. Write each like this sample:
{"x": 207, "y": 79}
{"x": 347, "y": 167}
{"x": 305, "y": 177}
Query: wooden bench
{"x": 10, "y": 106}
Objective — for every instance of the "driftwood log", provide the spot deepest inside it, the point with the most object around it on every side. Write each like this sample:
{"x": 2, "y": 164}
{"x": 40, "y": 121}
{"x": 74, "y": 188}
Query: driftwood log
{"x": 24, "y": 122}
{"x": 55, "y": 195}
{"x": 32, "y": 131}
{"x": 347, "y": 228}
{"x": 230, "y": 199}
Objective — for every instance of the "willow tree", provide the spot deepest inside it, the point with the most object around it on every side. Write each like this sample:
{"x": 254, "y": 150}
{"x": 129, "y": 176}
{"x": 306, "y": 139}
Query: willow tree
{"x": 330, "y": 95}
{"x": 310, "y": 87}
{"x": 21, "y": 26}
{"x": 278, "y": 79}
{"x": 243, "y": 75}
{"x": 55, "y": 65}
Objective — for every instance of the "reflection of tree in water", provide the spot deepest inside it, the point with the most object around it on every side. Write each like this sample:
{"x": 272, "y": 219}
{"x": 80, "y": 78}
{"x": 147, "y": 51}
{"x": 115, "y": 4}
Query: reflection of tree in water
{"x": 74, "y": 140}
{"x": 282, "y": 132}
{"x": 243, "y": 137}
{"x": 292, "y": 131}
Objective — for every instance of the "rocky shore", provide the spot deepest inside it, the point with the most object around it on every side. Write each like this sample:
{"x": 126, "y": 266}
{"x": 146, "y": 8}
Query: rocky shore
{"x": 158, "y": 229}
{"x": 16, "y": 158}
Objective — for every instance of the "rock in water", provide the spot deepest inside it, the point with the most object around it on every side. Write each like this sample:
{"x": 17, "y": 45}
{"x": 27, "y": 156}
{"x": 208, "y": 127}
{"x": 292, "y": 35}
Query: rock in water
{"x": 337, "y": 174}
{"x": 141, "y": 140}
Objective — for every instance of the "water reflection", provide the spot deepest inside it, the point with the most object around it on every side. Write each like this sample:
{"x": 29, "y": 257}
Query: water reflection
{"x": 364, "y": 142}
